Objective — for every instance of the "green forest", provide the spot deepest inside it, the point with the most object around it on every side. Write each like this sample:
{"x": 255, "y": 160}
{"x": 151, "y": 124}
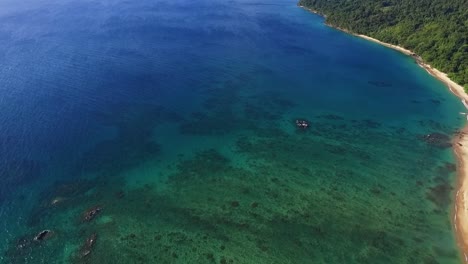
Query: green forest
{"x": 436, "y": 30}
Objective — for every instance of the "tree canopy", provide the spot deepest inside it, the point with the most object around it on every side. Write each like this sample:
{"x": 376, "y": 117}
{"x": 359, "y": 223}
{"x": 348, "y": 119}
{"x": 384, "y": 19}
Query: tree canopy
{"x": 437, "y": 30}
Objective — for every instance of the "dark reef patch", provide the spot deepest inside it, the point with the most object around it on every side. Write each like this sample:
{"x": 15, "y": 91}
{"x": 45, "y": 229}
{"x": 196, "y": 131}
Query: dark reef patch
{"x": 440, "y": 194}
{"x": 113, "y": 156}
{"x": 228, "y": 112}
{"x": 133, "y": 143}
{"x": 437, "y": 140}
{"x": 259, "y": 112}
{"x": 219, "y": 118}
{"x": 433, "y": 125}
{"x": 371, "y": 123}
{"x": 380, "y": 83}
{"x": 205, "y": 163}
{"x": 340, "y": 150}
{"x": 38, "y": 245}
{"x": 272, "y": 100}
{"x": 331, "y": 117}
{"x": 444, "y": 171}
{"x": 218, "y": 123}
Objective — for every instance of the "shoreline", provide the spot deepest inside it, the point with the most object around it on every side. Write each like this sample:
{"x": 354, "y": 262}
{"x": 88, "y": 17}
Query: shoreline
{"x": 459, "y": 142}
{"x": 460, "y": 218}
{"x": 459, "y": 145}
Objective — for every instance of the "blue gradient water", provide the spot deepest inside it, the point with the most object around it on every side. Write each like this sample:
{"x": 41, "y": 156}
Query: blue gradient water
{"x": 177, "y": 118}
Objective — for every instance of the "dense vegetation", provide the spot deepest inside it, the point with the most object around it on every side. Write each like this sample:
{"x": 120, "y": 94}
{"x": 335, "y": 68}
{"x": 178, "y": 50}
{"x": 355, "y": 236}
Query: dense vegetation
{"x": 437, "y": 30}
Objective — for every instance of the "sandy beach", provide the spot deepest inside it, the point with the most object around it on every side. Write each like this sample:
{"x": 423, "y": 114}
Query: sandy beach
{"x": 460, "y": 143}
{"x": 460, "y": 218}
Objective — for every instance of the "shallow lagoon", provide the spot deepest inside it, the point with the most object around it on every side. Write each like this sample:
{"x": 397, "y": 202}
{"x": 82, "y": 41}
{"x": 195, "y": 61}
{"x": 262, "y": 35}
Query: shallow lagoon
{"x": 177, "y": 118}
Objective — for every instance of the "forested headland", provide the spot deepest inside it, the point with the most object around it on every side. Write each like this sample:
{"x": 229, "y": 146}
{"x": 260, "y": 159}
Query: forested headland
{"x": 436, "y": 30}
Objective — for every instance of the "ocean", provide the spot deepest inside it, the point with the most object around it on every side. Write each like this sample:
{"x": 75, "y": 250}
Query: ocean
{"x": 164, "y": 132}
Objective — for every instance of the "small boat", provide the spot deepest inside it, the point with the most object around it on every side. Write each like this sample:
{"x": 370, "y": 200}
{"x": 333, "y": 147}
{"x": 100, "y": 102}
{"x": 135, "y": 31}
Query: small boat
{"x": 302, "y": 123}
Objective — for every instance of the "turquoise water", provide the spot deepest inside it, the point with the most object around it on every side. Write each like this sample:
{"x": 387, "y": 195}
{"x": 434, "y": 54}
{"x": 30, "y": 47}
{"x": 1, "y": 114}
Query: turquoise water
{"x": 176, "y": 118}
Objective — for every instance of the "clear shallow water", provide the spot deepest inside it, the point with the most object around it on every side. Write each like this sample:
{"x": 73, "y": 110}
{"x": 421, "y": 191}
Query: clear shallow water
{"x": 177, "y": 119}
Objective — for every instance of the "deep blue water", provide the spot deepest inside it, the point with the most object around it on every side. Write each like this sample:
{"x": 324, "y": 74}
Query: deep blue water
{"x": 111, "y": 97}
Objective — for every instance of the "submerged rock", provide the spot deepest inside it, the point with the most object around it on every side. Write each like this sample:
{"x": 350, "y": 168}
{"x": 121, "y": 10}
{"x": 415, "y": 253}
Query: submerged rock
{"x": 43, "y": 235}
{"x": 23, "y": 243}
{"x": 19, "y": 249}
{"x": 88, "y": 246}
{"x": 22, "y": 247}
{"x": 120, "y": 194}
{"x": 91, "y": 213}
{"x": 56, "y": 201}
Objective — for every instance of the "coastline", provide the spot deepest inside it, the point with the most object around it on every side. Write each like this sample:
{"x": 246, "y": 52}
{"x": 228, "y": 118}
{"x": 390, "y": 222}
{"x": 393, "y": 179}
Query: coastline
{"x": 460, "y": 218}
{"x": 459, "y": 142}
{"x": 454, "y": 87}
